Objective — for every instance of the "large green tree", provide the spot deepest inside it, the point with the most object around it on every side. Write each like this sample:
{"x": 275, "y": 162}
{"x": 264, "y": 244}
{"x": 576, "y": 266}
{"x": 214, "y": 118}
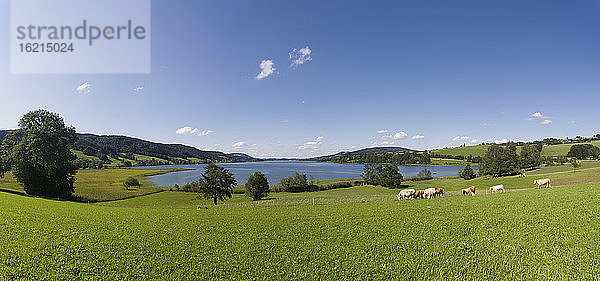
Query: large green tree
{"x": 386, "y": 175}
{"x": 216, "y": 183}
{"x": 467, "y": 173}
{"x": 530, "y": 157}
{"x": 510, "y": 160}
{"x": 257, "y": 186}
{"x": 492, "y": 161}
{"x": 39, "y": 154}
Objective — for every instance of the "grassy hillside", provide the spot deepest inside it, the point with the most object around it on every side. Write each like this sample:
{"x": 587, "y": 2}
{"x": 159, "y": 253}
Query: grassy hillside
{"x": 479, "y": 150}
{"x": 474, "y": 150}
{"x": 92, "y": 147}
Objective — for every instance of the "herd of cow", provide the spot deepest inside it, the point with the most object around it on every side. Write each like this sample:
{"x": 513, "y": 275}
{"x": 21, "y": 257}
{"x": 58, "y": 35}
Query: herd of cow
{"x": 434, "y": 192}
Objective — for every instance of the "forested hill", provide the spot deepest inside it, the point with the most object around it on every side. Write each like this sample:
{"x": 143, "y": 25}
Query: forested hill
{"x": 371, "y": 150}
{"x": 119, "y": 146}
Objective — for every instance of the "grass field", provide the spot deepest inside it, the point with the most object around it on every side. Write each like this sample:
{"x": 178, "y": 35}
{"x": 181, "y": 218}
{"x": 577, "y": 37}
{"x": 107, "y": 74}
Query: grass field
{"x": 348, "y": 234}
{"x": 449, "y": 162}
{"x": 534, "y": 234}
{"x": 479, "y": 150}
{"x": 101, "y": 185}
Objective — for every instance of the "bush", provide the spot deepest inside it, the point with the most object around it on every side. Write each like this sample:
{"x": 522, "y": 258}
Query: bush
{"x": 467, "y": 173}
{"x": 257, "y": 186}
{"x": 297, "y": 183}
{"x": 191, "y": 187}
{"x": 424, "y": 174}
{"x": 130, "y": 182}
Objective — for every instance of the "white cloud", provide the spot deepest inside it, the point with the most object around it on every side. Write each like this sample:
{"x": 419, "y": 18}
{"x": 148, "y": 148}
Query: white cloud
{"x": 383, "y": 143}
{"x": 546, "y": 122}
{"x": 285, "y": 121}
{"x": 239, "y": 144}
{"x": 572, "y": 122}
{"x": 474, "y": 141}
{"x": 502, "y": 141}
{"x": 301, "y": 56}
{"x": 418, "y": 137}
{"x": 382, "y": 131}
{"x": 461, "y": 138}
{"x": 316, "y": 144}
{"x": 84, "y": 88}
{"x": 187, "y": 130}
{"x": 205, "y": 133}
{"x": 396, "y": 136}
{"x": 138, "y": 89}
{"x": 266, "y": 69}
{"x": 537, "y": 115}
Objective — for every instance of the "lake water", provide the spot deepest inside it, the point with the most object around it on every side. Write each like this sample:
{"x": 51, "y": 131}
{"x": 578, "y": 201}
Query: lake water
{"x": 276, "y": 170}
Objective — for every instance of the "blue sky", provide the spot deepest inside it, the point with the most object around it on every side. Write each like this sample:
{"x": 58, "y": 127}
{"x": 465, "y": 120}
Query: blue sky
{"x": 417, "y": 74}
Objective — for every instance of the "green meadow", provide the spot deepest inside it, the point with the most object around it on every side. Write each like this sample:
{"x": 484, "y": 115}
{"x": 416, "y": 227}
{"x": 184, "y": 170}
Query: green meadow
{"x": 101, "y": 185}
{"x": 479, "y": 150}
{"x": 361, "y": 232}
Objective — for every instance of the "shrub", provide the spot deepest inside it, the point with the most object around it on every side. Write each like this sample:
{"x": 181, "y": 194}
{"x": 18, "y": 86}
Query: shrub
{"x": 130, "y": 182}
{"x": 297, "y": 183}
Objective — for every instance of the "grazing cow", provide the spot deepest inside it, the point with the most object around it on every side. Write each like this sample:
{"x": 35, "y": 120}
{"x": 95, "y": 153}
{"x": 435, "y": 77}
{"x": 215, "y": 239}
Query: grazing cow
{"x": 406, "y": 194}
{"x": 429, "y": 193}
{"x": 419, "y": 194}
{"x": 497, "y": 188}
{"x": 542, "y": 182}
{"x": 469, "y": 191}
{"x": 439, "y": 192}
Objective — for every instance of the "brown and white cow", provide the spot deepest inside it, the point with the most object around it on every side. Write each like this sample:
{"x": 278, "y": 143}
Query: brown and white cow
{"x": 419, "y": 194}
{"x": 469, "y": 191}
{"x": 439, "y": 192}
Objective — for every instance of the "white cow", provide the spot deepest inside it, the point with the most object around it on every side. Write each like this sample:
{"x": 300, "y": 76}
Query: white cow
{"x": 429, "y": 193}
{"x": 406, "y": 194}
{"x": 542, "y": 182}
{"x": 497, "y": 188}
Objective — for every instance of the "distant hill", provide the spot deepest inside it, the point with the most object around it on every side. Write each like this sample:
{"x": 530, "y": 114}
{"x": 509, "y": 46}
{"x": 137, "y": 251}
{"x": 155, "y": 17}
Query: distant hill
{"x": 369, "y": 150}
{"x": 118, "y": 147}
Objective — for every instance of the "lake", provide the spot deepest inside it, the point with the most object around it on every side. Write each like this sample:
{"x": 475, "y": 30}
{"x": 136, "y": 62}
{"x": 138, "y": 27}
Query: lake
{"x": 276, "y": 170}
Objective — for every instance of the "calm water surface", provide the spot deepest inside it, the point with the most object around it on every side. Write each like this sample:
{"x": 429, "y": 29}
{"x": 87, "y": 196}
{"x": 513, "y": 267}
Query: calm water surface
{"x": 276, "y": 170}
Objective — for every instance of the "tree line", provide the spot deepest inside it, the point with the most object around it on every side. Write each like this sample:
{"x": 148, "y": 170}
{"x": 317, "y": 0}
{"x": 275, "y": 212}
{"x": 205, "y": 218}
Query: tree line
{"x": 504, "y": 160}
{"x": 396, "y": 158}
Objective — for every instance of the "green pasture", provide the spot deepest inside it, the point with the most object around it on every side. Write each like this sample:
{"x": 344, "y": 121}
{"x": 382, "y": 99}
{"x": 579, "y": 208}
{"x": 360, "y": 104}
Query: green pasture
{"x": 101, "y": 185}
{"x": 534, "y": 234}
{"x": 479, "y": 150}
